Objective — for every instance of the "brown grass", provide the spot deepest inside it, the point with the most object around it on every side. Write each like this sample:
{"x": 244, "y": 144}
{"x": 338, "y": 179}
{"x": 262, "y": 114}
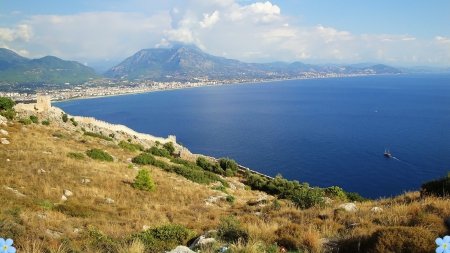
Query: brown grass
{"x": 177, "y": 200}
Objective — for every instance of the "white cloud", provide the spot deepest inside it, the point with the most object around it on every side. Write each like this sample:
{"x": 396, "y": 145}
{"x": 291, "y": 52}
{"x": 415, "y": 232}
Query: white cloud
{"x": 209, "y": 20}
{"x": 246, "y": 30}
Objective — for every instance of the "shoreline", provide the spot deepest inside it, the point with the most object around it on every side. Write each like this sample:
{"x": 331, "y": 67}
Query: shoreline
{"x": 220, "y": 84}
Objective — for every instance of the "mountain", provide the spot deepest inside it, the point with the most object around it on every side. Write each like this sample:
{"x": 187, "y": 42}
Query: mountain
{"x": 185, "y": 62}
{"x": 15, "y": 69}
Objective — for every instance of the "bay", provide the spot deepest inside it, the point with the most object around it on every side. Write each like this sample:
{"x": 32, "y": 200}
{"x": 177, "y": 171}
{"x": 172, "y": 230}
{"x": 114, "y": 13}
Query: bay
{"x": 321, "y": 131}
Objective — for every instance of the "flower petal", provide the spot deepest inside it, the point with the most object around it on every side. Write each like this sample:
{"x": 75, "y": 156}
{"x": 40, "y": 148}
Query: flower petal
{"x": 447, "y": 250}
{"x": 9, "y": 242}
{"x": 446, "y": 239}
{"x": 439, "y": 241}
{"x": 440, "y": 249}
{"x": 2, "y": 242}
{"x": 11, "y": 249}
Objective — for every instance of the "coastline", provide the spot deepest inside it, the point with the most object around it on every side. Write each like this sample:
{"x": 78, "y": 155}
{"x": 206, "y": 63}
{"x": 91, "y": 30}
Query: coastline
{"x": 219, "y": 84}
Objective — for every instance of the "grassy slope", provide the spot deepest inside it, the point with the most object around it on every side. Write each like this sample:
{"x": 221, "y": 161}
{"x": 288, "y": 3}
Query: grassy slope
{"x": 177, "y": 200}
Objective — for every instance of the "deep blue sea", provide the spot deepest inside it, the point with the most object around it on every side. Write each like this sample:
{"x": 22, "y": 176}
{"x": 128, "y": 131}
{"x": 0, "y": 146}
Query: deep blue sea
{"x": 321, "y": 131}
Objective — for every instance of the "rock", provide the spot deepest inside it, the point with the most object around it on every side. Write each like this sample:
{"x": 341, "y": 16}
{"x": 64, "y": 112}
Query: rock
{"x": 4, "y": 132}
{"x": 4, "y": 141}
{"x": 8, "y": 160}
{"x": 52, "y": 234}
{"x": 67, "y": 193}
{"x": 181, "y": 249}
{"x": 327, "y": 200}
{"x": 376, "y": 209}
{"x": 109, "y": 201}
{"x": 201, "y": 240}
{"x": 85, "y": 180}
{"x": 349, "y": 207}
{"x": 47, "y": 153}
{"x": 41, "y": 171}
{"x": 14, "y": 191}
{"x": 136, "y": 168}
{"x": 129, "y": 160}
{"x": 63, "y": 198}
{"x": 24, "y": 129}
{"x": 42, "y": 216}
{"x": 77, "y": 230}
{"x": 145, "y": 228}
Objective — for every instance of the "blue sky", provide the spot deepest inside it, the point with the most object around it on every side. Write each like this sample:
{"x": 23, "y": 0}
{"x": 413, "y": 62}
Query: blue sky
{"x": 399, "y": 33}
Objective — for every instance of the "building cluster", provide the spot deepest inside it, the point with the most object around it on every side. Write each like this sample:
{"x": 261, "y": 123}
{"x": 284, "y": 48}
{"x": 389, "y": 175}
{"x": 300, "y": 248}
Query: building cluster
{"x": 109, "y": 87}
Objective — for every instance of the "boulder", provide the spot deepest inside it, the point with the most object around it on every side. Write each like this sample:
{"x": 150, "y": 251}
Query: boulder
{"x": 67, "y": 193}
{"x": 4, "y": 141}
{"x": 109, "y": 201}
{"x": 349, "y": 207}
{"x": 376, "y": 209}
{"x": 24, "y": 129}
{"x": 63, "y": 198}
{"x": 4, "y": 132}
{"x": 145, "y": 228}
{"x": 201, "y": 240}
{"x": 181, "y": 249}
{"x": 85, "y": 180}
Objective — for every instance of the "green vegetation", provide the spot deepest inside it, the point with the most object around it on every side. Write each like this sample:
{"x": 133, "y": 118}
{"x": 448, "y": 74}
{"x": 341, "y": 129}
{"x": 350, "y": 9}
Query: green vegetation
{"x": 96, "y": 135}
{"x": 164, "y": 237}
{"x": 169, "y": 147}
{"x": 307, "y": 197}
{"x": 143, "y": 181}
{"x": 6, "y": 103}
{"x": 10, "y": 114}
{"x": 46, "y": 122}
{"x": 130, "y": 146}
{"x": 231, "y": 230}
{"x": 99, "y": 154}
{"x": 25, "y": 121}
{"x": 144, "y": 159}
{"x": 438, "y": 187}
{"x": 34, "y": 119}
{"x": 64, "y": 117}
{"x": 76, "y": 155}
{"x": 73, "y": 121}
{"x": 158, "y": 152}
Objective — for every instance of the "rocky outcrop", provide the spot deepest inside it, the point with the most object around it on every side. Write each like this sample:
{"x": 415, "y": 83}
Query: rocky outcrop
{"x": 349, "y": 207}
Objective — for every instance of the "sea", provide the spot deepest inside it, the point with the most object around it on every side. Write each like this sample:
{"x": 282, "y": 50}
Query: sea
{"x": 326, "y": 132}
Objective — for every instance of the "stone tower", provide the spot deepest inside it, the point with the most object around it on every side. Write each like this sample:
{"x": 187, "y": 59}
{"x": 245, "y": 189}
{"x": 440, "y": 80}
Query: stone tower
{"x": 43, "y": 103}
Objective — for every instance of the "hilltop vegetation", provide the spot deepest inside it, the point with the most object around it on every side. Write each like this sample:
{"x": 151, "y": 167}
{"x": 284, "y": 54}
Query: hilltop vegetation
{"x": 15, "y": 69}
{"x": 140, "y": 201}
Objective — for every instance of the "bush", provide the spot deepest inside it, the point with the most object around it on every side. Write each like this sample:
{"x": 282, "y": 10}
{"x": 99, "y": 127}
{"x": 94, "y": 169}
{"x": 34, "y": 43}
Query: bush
{"x": 169, "y": 147}
{"x": 228, "y": 164}
{"x": 25, "y": 121}
{"x": 10, "y": 114}
{"x": 231, "y": 199}
{"x": 335, "y": 192}
{"x": 143, "y": 181}
{"x": 6, "y": 103}
{"x": 74, "y": 122}
{"x": 76, "y": 155}
{"x": 99, "y": 241}
{"x": 164, "y": 237}
{"x": 98, "y": 154}
{"x": 144, "y": 159}
{"x": 59, "y": 135}
{"x": 46, "y": 122}
{"x": 65, "y": 117}
{"x": 34, "y": 119}
{"x": 438, "y": 187}
{"x": 96, "y": 135}
{"x": 158, "y": 152}
{"x": 230, "y": 230}
{"x": 127, "y": 145}
{"x": 354, "y": 196}
{"x": 307, "y": 197}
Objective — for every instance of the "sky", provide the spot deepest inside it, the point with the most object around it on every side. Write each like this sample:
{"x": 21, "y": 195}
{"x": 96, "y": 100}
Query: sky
{"x": 397, "y": 33}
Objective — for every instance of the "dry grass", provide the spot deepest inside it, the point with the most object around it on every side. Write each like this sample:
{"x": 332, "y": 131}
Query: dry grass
{"x": 28, "y": 219}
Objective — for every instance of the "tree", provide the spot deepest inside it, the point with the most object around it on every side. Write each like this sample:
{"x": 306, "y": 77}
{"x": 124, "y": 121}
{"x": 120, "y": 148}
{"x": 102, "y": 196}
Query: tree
{"x": 143, "y": 181}
{"x": 65, "y": 118}
{"x": 6, "y": 103}
{"x": 169, "y": 147}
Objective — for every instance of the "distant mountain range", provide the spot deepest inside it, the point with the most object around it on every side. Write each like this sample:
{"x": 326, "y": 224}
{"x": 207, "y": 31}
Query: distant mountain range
{"x": 15, "y": 69}
{"x": 187, "y": 61}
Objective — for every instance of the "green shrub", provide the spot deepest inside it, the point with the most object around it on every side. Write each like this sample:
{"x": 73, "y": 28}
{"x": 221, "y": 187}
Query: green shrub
{"x": 169, "y": 147}
{"x": 229, "y": 166}
{"x": 10, "y": 114}
{"x": 46, "y": 204}
{"x": 34, "y": 119}
{"x": 6, "y": 103}
{"x": 438, "y": 187}
{"x": 158, "y": 152}
{"x": 335, "y": 192}
{"x": 100, "y": 242}
{"x": 98, "y": 154}
{"x": 231, "y": 199}
{"x": 65, "y": 117}
{"x": 46, "y": 122}
{"x": 143, "y": 181}
{"x": 25, "y": 121}
{"x": 164, "y": 237}
{"x": 354, "y": 196}
{"x": 220, "y": 188}
{"x": 96, "y": 135}
{"x": 59, "y": 135}
{"x": 230, "y": 230}
{"x": 83, "y": 129}
{"x": 307, "y": 197}
{"x": 144, "y": 159}
{"x": 76, "y": 155}
{"x": 127, "y": 145}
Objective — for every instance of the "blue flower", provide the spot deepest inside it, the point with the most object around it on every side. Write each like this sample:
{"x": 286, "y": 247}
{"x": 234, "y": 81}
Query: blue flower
{"x": 444, "y": 245}
{"x": 5, "y": 246}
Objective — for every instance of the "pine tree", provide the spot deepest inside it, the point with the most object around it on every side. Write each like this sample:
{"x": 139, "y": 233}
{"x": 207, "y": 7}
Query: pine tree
{"x": 143, "y": 181}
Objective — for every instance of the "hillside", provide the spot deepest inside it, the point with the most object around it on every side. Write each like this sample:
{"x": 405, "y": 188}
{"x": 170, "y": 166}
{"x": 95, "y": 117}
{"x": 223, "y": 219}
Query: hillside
{"x": 187, "y": 62}
{"x": 15, "y": 69}
{"x": 106, "y": 213}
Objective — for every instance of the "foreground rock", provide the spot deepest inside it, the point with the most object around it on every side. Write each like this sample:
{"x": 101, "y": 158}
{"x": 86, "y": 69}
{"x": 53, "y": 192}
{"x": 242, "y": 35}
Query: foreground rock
{"x": 181, "y": 249}
{"x": 349, "y": 207}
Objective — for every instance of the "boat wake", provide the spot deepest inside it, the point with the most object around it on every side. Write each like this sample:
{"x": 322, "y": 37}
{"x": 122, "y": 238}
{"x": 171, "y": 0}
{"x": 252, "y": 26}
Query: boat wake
{"x": 395, "y": 158}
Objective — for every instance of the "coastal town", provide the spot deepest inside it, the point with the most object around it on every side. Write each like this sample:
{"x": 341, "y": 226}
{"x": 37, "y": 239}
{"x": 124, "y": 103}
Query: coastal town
{"x": 113, "y": 87}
